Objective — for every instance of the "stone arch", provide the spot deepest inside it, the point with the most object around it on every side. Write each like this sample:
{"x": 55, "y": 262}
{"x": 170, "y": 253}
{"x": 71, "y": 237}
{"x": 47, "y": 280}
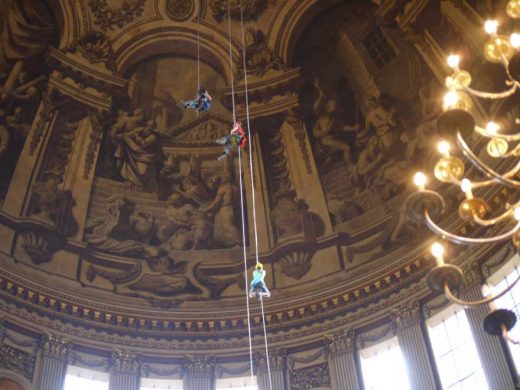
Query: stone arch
{"x": 161, "y": 40}
{"x": 12, "y": 381}
{"x": 291, "y": 20}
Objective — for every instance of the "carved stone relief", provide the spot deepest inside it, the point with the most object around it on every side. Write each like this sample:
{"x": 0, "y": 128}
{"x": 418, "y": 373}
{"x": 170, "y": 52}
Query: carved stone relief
{"x": 17, "y": 361}
{"x": 109, "y": 18}
{"x": 310, "y": 377}
{"x": 252, "y": 9}
{"x": 180, "y": 10}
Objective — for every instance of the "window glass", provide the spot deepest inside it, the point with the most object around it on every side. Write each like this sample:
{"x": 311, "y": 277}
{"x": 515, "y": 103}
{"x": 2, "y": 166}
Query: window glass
{"x": 150, "y": 384}
{"x": 383, "y": 367}
{"x": 245, "y": 383}
{"x": 78, "y": 378}
{"x": 455, "y": 351}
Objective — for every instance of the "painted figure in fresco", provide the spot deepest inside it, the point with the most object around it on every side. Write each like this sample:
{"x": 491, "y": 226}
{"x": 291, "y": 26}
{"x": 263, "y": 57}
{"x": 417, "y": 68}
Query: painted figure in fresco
{"x": 235, "y": 139}
{"x": 225, "y": 232}
{"x": 126, "y": 122}
{"x": 26, "y": 96}
{"x": 114, "y": 232}
{"x": 201, "y": 103}
{"x": 187, "y": 227}
{"x": 258, "y": 287}
{"x": 136, "y": 155}
{"x": 327, "y": 124}
{"x": 4, "y": 140}
{"x": 380, "y": 121}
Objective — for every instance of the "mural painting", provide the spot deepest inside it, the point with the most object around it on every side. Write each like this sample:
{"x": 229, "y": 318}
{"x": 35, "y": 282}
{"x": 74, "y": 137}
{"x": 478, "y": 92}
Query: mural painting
{"x": 365, "y": 144}
{"x": 162, "y": 196}
{"x": 22, "y": 77}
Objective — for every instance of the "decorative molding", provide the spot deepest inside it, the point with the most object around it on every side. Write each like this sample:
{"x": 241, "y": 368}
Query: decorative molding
{"x": 147, "y": 369}
{"x": 310, "y": 377}
{"x": 75, "y": 358}
{"x": 41, "y": 124}
{"x": 292, "y": 360}
{"x": 252, "y": 9}
{"x": 125, "y": 362}
{"x": 109, "y": 18}
{"x": 55, "y": 347}
{"x": 220, "y": 370}
{"x": 17, "y": 361}
{"x": 95, "y": 47}
{"x": 97, "y": 119}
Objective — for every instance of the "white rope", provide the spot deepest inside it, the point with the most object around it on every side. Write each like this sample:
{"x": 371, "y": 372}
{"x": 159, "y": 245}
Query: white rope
{"x": 253, "y": 184}
{"x": 198, "y": 52}
{"x": 242, "y": 206}
{"x": 265, "y": 344}
{"x": 248, "y": 123}
{"x": 245, "y": 264}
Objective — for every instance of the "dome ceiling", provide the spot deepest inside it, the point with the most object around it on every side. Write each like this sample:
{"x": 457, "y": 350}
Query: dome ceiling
{"x": 115, "y": 209}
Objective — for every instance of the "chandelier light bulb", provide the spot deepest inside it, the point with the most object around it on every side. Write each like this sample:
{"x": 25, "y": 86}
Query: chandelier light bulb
{"x": 451, "y": 98}
{"x": 420, "y": 180}
{"x": 454, "y": 61}
{"x": 513, "y": 9}
{"x": 515, "y": 40}
{"x": 466, "y": 186}
{"x": 492, "y": 127}
{"x": 516, "y": 213}
{"x": 438, "y": 253}
{"x": 491, "y": 26}
{"x": 487, "y": 291}
{"x": 444, "y": 148}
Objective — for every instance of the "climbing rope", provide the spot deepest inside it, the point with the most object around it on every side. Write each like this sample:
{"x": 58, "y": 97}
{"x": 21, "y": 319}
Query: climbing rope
{"x": 242, "y": 203}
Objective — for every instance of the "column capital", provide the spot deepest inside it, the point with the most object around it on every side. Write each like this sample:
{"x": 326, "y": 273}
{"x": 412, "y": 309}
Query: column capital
{"x": 55, "y": 347}
{"x": 341, "y": 342}
{"x": 199, "y": 366}
{"x": 406, "y": 316}
{"x": 277, "y": 360}
{"x": 125, "y": 362}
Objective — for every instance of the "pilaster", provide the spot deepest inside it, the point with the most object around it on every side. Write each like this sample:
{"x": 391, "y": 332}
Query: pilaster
{"x": 489, "y": 348}
{"x": 407, "y": 321}
{"x": 199, "y": 373}
{"x": 278, "y": 369}
{"x": 54, "y": 363}
{"x": 342, "y": 361}
{"x": 124, "y": 374}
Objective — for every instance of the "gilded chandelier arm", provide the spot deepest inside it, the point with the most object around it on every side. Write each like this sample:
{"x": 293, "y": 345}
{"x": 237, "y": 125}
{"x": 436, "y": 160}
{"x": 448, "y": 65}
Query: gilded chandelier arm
{"x": 484, "y": 301}
{"x": 468, "y": 240}
{"x": 493, "y": 95}
{"x": 483, "y": 167}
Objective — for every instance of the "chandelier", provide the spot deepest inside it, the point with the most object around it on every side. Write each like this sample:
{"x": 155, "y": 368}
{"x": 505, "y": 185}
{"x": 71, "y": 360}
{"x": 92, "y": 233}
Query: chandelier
{"x": 494, "y": 149}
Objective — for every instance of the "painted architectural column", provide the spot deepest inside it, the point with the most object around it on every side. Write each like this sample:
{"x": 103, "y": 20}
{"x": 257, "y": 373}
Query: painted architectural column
{"x": 278, "y": 368}
{"x": 489, "y": 348}
{"x": 343, "y": 368}
{"x": 302, "y": 166}
{"x": 407, "y": 321}
{"x": 124, "y": 374}
{"x": 53, "y": 363}
{"x": 199, "y": 373}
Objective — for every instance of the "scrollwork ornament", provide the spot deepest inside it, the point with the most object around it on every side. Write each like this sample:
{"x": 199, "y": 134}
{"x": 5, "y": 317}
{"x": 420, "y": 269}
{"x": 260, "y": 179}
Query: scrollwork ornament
{"x": 41, "y": 124}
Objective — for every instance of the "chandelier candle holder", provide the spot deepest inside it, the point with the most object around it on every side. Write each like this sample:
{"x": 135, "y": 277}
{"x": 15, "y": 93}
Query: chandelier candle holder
{"x": 456, "y": 125}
